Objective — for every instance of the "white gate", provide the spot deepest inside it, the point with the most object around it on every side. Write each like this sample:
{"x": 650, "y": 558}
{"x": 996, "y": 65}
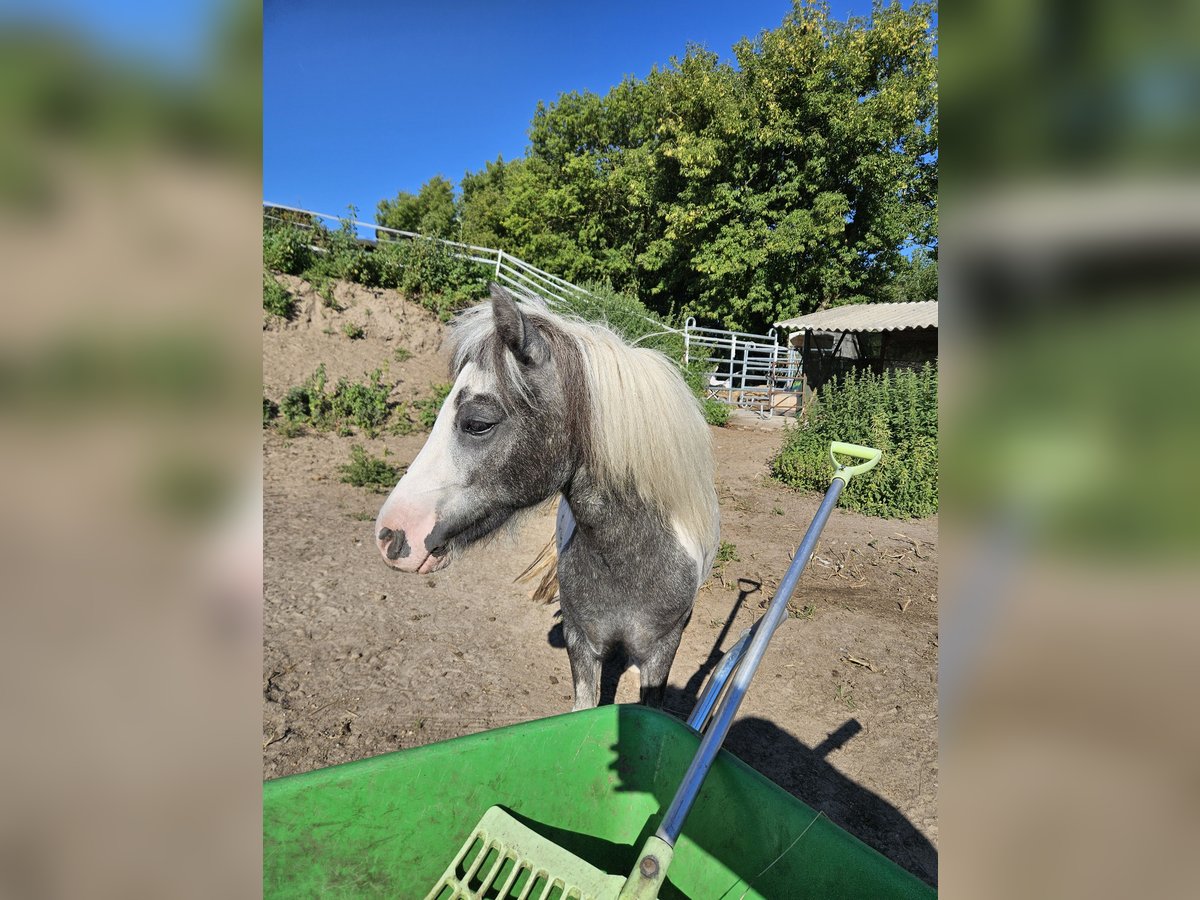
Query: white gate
{"x": 747, "y": 371}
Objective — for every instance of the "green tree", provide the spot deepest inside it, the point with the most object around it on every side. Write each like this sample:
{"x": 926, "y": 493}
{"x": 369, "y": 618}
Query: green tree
{"x": 741, "y": 195}
{"x": 431, "y": 211}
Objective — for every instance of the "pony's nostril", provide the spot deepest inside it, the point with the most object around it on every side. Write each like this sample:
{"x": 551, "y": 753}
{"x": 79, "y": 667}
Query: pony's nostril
{"x": 399, "y": 545}
{"x": 385, "y": 534}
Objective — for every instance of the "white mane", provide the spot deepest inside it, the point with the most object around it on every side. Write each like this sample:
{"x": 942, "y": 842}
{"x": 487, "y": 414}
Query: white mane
{"x": 646, "y": 426}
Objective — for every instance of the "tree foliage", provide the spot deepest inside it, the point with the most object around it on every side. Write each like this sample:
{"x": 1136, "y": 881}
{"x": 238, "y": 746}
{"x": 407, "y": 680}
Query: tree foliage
{"x": 741, "y": 194}
{"x": 431, "y": 211}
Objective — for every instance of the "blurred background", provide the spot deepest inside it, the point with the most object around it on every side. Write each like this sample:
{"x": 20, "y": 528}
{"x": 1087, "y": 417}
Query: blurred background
{"x": 129, "y": 378}
{"x": 1070, "y": 241}
{"x": 129, "y": 375}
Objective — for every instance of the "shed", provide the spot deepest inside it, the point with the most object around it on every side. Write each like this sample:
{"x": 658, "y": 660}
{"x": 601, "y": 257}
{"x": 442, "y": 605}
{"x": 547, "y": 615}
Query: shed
{"x": 874, "y": 336}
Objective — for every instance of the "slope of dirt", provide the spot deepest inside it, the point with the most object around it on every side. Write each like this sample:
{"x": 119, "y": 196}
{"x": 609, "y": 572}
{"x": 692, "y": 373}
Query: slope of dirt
{"x": 361, "y": 660}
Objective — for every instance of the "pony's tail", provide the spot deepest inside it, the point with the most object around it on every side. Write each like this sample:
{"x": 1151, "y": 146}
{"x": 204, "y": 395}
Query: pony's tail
{"x": 545, "y": 569}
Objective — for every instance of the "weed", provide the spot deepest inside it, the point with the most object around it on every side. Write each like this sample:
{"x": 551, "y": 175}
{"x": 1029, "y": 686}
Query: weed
{"x": 365, "y": 470}
{"x": 402, "y": 354}
{"x": 270, "y": 410}
{"x": 844, "y": 697}
{"x": 805, "y": 612}
{"x": 354, "y": 331}
{"x": 777, "y": 510}
{"x": 727, "y": 552}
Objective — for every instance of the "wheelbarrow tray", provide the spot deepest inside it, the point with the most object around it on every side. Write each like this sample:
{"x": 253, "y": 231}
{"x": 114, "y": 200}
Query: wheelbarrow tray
{"x": 595, "y": 782}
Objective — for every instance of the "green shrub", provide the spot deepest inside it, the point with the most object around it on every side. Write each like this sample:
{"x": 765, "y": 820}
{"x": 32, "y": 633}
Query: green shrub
{"x": 270, "y": 410}
{"x": 429, "y": 407}
{"x": 354, "y": 331}
{"x": 363, "y": 404}
{"x": 896, "y": 412}
{"x": 285, "y": 249}
{"x": 276, "y": 299}
{"x": 431, "y": 274}
{"x": 308, "y": 402}
{"x": 365, "y": 470}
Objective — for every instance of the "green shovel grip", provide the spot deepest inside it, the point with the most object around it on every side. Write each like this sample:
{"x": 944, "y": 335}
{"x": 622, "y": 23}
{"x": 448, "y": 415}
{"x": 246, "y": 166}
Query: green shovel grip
{"x": 870, "y": 454}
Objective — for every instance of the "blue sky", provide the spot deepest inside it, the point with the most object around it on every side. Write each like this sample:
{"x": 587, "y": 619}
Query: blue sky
{"x": 362, "y": 99}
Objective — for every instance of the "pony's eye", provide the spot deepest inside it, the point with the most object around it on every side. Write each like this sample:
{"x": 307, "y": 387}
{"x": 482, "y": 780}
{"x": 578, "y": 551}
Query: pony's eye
{"x": 477, "y": 426}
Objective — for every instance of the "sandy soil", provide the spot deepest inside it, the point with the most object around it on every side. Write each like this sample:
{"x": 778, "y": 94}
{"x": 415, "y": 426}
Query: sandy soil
{"x": 361, "y": 660}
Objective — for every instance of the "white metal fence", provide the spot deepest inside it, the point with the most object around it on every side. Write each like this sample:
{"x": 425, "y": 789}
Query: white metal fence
{"x": 515, "y": 273}
{"x": 748, "y": 371}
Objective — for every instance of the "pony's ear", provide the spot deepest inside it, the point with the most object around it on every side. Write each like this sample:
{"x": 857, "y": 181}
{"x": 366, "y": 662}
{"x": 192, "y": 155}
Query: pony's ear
{"x": 515, "y": 329}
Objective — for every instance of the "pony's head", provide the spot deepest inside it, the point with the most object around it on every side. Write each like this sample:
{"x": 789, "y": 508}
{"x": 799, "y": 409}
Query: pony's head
{"x": 509, "y": 435}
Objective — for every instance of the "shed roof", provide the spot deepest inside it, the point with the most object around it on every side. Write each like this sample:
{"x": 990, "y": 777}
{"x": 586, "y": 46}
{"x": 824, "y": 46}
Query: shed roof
{"x": 868, "y": 317}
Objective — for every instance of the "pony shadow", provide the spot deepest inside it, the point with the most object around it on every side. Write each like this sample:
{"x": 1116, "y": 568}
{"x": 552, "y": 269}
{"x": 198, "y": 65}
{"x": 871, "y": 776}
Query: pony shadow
{"x": 677, "y": 701}
{"x": 805, "y": 773}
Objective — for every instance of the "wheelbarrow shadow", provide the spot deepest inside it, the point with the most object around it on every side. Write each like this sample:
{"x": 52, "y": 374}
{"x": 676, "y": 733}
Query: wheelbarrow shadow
{"x": 806, "y": 774}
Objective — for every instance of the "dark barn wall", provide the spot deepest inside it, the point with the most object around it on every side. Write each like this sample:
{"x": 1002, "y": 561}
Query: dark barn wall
{"x": 876, "y": 351}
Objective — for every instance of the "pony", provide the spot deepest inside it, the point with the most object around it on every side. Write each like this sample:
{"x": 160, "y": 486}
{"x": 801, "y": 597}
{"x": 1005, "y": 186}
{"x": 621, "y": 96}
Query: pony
{"x": 545, "y": 404}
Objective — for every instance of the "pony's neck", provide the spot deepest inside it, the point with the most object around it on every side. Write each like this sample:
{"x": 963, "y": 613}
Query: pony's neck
{"x": 610, "y": 520}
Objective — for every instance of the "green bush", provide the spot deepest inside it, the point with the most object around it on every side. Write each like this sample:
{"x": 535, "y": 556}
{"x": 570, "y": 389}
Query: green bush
{"x": 277, "y": 301}
{"x": 354, "y": 331}
{"x": 431, "y": 274}
{"x": 896, "y": 412}
{"x": 363, "y": 404}
{"x": 365, "y": 470}
{"x": 285, "y": 249}
{"x": 270, "y": 410}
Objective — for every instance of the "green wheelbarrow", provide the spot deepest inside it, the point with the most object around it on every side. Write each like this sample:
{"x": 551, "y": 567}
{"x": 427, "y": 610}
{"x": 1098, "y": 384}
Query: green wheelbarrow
{"x": 572, "y": 807}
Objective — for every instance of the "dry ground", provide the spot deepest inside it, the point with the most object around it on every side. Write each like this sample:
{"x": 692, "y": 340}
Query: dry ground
{"x": 361, "y": 660}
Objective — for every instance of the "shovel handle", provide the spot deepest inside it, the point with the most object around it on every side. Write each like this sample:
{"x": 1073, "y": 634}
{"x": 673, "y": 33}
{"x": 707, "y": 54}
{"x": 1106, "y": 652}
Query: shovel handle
{"x": 869, "y": 454}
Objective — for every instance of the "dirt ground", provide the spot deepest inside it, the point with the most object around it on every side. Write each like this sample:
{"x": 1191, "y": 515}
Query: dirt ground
{"x": 360, "y": 659}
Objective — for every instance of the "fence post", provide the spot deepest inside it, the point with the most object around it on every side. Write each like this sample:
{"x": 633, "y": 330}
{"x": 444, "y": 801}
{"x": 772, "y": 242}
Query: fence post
{"x": 732, "y": 359}
{"x": 499, "y": 259}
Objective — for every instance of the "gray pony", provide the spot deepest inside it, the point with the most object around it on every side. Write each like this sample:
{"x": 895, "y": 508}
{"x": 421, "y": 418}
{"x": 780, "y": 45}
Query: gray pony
{"x": 544, "y": 404}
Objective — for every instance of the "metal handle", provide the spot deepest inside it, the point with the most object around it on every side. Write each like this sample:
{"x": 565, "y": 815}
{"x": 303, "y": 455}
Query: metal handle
{"x": 870, "y": 454}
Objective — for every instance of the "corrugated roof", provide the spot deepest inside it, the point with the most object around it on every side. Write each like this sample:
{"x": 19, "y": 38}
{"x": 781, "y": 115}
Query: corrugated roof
{"x": 868, "y": 317}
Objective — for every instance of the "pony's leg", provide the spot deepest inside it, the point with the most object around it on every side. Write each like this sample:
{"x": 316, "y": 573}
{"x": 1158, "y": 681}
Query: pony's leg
{"x": 655, "y": 667}
{"x": 585, "y": 668}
